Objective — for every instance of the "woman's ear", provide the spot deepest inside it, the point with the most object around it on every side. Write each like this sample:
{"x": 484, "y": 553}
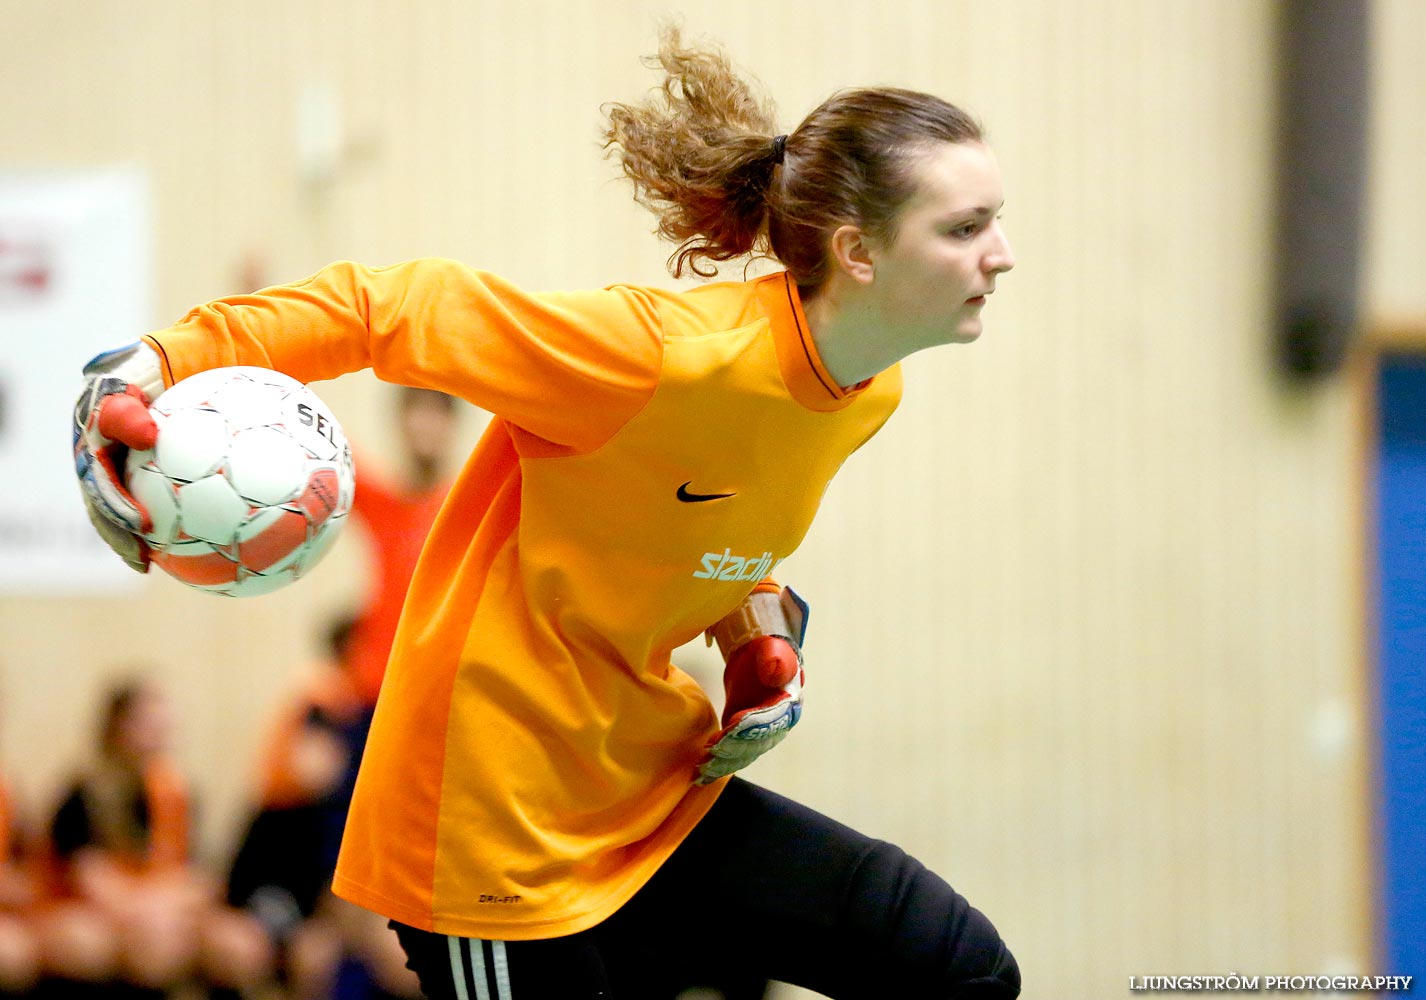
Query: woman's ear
{"x": 852, "y": 252}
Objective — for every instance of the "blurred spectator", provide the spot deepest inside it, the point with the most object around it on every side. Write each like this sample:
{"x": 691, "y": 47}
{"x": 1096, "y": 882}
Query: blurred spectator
{"x": 397, "y": 515}
{"x": 126, "y": 903}
{"x": 305, "y": 772}
{"x": 285, "y": 861}
{"x": 19, "y": 950}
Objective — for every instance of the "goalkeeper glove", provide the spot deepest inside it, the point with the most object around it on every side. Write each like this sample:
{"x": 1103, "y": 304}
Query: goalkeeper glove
{"x": 761, "y": 643}
{"x": 111, "y": 417}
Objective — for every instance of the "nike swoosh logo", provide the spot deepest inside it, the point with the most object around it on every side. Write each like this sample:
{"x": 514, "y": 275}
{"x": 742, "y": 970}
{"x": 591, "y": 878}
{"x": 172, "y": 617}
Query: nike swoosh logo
{"x": 688, "y": 497}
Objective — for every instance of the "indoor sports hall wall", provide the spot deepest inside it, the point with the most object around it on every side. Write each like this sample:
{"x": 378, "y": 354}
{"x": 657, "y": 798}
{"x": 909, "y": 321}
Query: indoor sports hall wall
{"x": 1088, "y": 621}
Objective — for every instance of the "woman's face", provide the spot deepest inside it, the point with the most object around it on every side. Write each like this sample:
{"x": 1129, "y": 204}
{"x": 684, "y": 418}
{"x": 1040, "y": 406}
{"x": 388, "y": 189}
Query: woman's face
{"x": 428, "y": 426}
{"x": 932, "y": 279}
{"x": 144, "y": 728}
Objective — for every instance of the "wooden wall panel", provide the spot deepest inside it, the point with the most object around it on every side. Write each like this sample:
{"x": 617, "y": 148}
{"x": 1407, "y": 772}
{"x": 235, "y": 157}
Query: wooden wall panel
{"x": 1396, "y": 246}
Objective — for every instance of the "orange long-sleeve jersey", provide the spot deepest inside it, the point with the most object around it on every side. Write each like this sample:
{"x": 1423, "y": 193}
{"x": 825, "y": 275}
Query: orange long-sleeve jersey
{"x": 654, "y": 455}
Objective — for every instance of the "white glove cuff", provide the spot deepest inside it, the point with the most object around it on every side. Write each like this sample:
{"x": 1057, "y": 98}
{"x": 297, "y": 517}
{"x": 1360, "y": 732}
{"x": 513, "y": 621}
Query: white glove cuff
{"x": 763, "y": 612}
{"x": 137, "y": 364}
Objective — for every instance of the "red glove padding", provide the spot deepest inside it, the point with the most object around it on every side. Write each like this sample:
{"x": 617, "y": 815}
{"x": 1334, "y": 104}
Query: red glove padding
{"x": 763, "y": 683}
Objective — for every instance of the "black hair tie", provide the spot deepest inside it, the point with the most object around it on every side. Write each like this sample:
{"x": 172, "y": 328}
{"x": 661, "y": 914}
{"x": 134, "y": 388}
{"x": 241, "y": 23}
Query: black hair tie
{"x": 779, "y": 144}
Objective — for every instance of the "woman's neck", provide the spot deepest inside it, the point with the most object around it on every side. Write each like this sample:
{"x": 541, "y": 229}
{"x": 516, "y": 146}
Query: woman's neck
{"x": 853, "y": 343}
{"x": 425, "y": 473}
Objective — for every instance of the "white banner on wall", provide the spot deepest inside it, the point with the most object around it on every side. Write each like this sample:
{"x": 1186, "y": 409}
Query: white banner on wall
{"x": 75, "y": 273}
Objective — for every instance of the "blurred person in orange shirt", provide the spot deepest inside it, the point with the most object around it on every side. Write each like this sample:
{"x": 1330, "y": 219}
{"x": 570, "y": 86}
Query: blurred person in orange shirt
{"x": 283, "y": 868}
{"x": 126, "y": 903}
{"x": 397, "y": 513}
{"x": 19, "y": 949}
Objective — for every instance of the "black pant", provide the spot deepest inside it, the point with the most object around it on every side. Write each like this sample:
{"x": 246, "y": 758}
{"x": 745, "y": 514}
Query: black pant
{"x": 763, "y": 887}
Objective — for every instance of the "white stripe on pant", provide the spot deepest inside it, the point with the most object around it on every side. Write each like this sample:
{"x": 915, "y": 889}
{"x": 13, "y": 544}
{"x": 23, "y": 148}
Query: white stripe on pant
{"x": 478, "y": 974}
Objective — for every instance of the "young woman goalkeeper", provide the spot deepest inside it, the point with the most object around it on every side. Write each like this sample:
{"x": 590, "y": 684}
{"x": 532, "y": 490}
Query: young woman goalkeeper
{"x": 545, "y": 807}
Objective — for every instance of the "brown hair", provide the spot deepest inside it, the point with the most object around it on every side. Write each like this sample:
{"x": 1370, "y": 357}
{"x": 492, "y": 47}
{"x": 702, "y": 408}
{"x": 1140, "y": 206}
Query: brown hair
{"x": 411, "y": 395}
{"x": 115, "y": 708}
{"x": 702, "y": 157}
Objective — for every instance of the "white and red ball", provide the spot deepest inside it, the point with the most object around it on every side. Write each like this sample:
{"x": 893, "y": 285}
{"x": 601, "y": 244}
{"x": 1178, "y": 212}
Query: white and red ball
{"x": 249, "y": 483}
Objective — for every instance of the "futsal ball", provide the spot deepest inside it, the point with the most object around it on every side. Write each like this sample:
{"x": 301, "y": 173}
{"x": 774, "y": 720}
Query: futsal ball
{"x": 248, "y": 484}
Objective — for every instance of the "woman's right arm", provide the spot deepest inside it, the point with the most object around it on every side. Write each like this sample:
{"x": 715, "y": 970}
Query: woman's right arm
{"x": 567, "y": 369}
{"x": 545, "y": 362}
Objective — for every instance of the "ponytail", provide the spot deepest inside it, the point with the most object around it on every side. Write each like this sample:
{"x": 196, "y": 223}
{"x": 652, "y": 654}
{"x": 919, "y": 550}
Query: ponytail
{"x": 703, "y": 157}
